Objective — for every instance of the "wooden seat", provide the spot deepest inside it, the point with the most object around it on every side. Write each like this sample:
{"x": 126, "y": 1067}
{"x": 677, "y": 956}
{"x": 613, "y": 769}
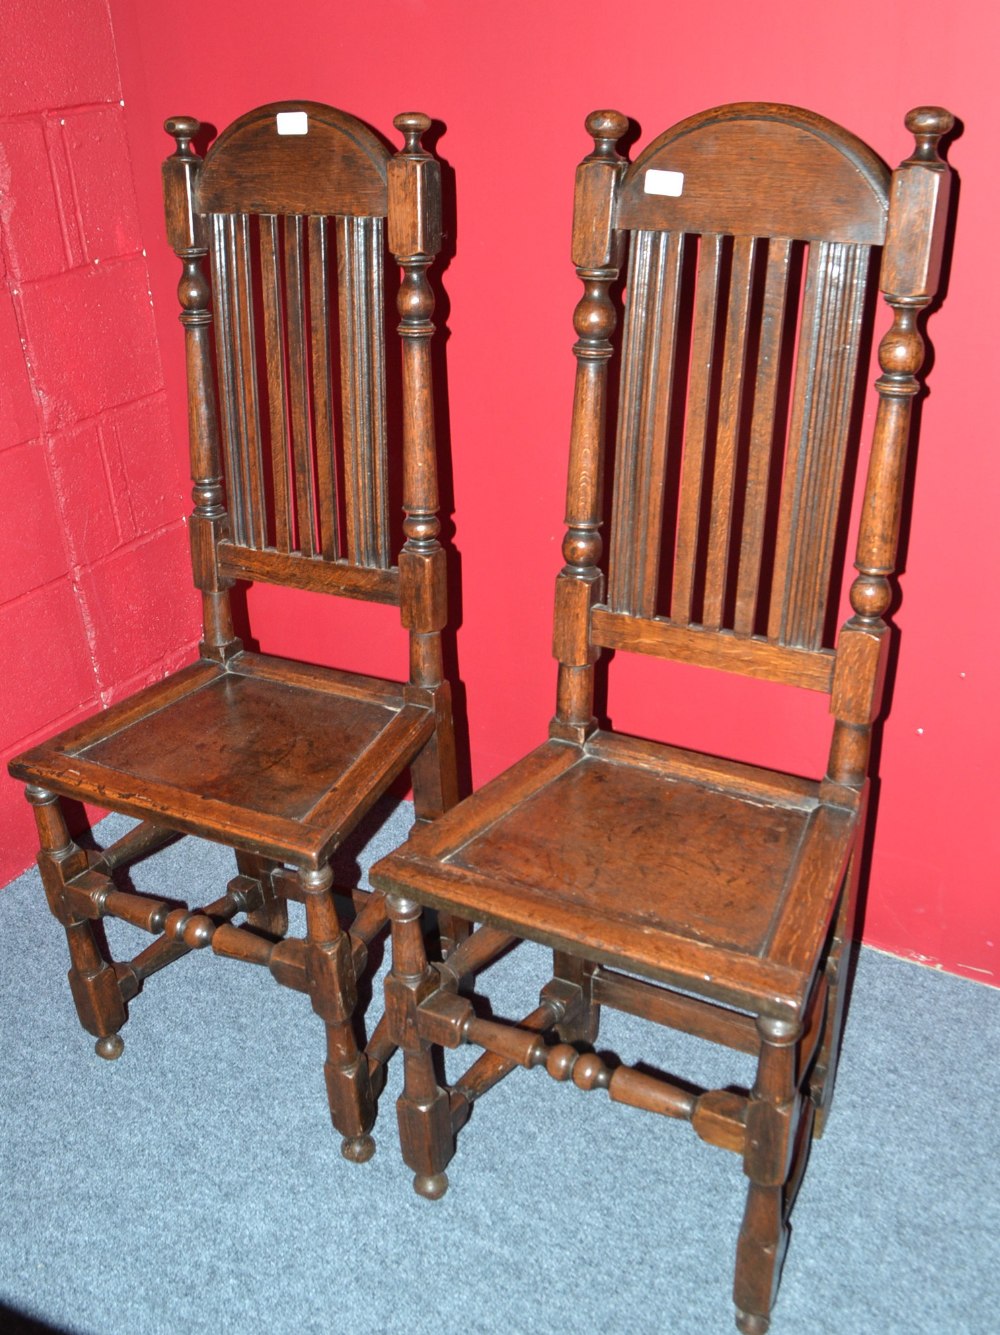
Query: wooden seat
{"x": 224, "y": 748}
{"x": 695, "y": 892}
{"x": 292, "y": 471}
{"x": 551, "y": 850}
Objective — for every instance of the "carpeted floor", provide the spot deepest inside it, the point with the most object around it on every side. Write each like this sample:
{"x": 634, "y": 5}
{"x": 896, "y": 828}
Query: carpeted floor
{"x": 196, "y": 1185}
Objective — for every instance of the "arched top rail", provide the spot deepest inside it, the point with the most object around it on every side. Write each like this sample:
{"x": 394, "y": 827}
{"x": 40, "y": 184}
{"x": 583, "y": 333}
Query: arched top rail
{"x": 296, "y": 157}
{"x": 758, "y": 169}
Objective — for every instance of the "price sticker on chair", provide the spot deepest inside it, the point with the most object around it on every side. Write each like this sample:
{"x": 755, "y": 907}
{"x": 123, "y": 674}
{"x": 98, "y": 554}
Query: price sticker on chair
{"x": 292, "y": 122}
{"x": 657, "y": 182}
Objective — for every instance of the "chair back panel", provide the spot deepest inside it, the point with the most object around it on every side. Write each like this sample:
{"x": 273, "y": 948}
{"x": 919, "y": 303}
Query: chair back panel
{"x": 299, "y": 313}
{"x": 295, "y": 157}
{"x": 755, "y": 170}
{"x": 293, "y": 296}
{"x": 738, "y": 382}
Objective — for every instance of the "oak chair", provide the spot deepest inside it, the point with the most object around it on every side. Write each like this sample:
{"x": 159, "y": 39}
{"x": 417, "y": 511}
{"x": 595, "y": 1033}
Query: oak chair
{"x": 295, "y": 204}
{"x": 698, "y": 893}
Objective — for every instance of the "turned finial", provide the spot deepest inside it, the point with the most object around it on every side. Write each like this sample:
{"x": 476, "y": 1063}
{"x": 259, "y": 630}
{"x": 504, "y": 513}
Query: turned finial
{"x": 183, "y": 129}
{"x": 928, "y": 125}
{"x": 606, "y": 128}
{"x": 411, "y": 125}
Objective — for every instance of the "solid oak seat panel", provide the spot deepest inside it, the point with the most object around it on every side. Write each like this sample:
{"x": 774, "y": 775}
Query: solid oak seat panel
{"x": 648, "y": 869}
{"x": 213, "y": 759}
{"x": 240, "y": 740}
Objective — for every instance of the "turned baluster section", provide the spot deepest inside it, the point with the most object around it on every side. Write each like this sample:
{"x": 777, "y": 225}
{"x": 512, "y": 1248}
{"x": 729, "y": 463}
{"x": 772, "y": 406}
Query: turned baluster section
{"x": 580, "y": 583}
{"x": 911, "y": 266}
{"x": 414, "y": 239}
{"x": 187, "y": 232}
{"x": 414, "y": 178}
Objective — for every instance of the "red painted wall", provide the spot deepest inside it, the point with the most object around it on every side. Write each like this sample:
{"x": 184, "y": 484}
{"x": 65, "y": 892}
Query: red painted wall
{"x": 92, "y": 547}
{"x": 512, "y": 85}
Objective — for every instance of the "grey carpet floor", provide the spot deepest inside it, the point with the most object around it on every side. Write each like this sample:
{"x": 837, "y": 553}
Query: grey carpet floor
{"x": 196, "y": 1185}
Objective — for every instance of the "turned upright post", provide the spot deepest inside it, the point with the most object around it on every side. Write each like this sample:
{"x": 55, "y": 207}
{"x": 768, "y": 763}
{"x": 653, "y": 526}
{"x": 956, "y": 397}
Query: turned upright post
{"x": 580, "y": 583}
{"x": 911, "y": 268}
{"x": 187, "y": 232}
{"x": 415, "y": 239}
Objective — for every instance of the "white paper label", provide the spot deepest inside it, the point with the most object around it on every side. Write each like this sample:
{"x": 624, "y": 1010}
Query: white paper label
{"x": 292, "y": 122}
{"x": 664, "y": 183}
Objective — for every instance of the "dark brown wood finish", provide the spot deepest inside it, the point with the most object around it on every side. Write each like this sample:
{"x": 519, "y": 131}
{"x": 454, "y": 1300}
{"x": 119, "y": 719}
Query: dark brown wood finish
{"x": 278, "y": 759}
{"x": 698, "y": 893}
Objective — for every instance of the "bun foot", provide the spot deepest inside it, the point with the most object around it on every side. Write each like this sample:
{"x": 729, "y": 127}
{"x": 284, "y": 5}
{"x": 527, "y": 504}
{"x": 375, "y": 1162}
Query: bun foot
{"x": 432, "y": 1186}
{"x": 359, "y": 1149}
{"x": 751, "y": 1324}
{"x": 110, "y": 1047}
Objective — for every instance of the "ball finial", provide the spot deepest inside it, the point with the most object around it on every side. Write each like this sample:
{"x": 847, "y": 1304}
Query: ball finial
{"x": 927, "y": 125}
{"x": 606, "y": 128}
{"x": 183, "y": 129}
{"x": 411, "y": 125}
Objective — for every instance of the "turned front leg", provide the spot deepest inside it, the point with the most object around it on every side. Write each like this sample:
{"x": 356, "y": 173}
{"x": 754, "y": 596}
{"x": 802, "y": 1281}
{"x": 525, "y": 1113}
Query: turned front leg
{"x": 426, "y": 1137}
{"x": 772, "y": 1119}
{"x": 92, "y": 981}
{"x": 333, "y": 989}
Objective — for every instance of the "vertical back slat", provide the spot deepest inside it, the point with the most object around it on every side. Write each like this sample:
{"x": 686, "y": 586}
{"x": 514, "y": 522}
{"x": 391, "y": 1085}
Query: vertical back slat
{"x": 640, "y": 285}
{"x": 359, "y": 265}
{"x": 228, "y": 397}
{"x": 319, "y": 316}
{"x": 374, "y": 330}
{"x": 298, "y": 385}
{"x": 836, "y": 281}
{"x": 643, "y": 421}
{"x": 270, "y": 268}
{"x": 762, "y": 441}
{"x": 696, "y": 427}
{"x": 727, "y": 437}
{"x": 246, "y": 353}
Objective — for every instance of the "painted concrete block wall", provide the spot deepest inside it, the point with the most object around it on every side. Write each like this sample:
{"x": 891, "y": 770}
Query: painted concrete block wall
{"x": 511, "y": 86}
{"x": 94, "y": 590}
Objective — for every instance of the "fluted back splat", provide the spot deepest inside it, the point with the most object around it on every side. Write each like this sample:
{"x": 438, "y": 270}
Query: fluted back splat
{"x": 751, "y": 235}
{"x": 295, "y": 204}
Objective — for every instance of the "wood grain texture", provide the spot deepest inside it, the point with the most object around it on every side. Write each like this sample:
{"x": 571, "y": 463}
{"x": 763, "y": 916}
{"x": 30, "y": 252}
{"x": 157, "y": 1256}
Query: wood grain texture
{"x": 643, "y": 421}
{"x": 727, "y": 437}
{"x": 322, "y": 388}
{"x": 359, "y": 258}
{"x": 300, "y": 572}
{"x": 338, "y": 167}
{"x": 753, "y": 169}
{"x": 762, "y": 429}
{"x": 751, "y": 657}
{"x": 824, "y": 391}
{"x": 277, "y": 387}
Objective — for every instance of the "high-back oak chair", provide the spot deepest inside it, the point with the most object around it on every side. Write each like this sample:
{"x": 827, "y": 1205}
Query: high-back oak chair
{"x": 698, "y": 893}
{"x": 295, "y": 203}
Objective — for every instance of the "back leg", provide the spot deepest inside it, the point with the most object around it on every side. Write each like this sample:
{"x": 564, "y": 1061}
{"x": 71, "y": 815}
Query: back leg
{"x": 583, "y": 1023}
{"x": 272, "y": 917}
{"x": 435, "y": 790}
{"x": 838, "y": 964}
